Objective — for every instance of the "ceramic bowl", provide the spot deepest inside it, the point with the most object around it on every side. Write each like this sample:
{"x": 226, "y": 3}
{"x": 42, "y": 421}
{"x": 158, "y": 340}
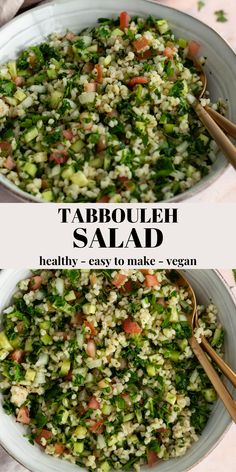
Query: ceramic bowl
{"x": 209, "y": 286}
{"x": 34, "y": 25}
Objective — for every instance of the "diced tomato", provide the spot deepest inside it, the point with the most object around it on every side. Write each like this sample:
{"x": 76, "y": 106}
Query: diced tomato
{"x": 131, "y": 327}
{"x": 168, "y": 52}
{"x": 62, "y": 334}
{"x": 35, "y": 282}
{"x": 96, "y": 427}
{"x": 137, "y": 80}
{"x": 152, "y": 458}
{"x": 101, "y": 144}
{"x": 193, "y": 48}
{"x": 91, "y": 327}
{"x": 94, "y": 404}
{"x": 150, "y": 280}
{"x": 99, "y": 77}
{"x": 68, "y": 376}
{"x": 67, "y": 133}
{"x": 140, "y": 43}
{"x": 161, "y": 430}
{"x": 91, "y": 348}
{"x": 90, "y": 87}
{"x": 104, "y": 199}
{"x": 77, "y": 319}
{"x": 19, "y": 80}
{"x": 124, "y": 20}
{"x": 128, "y": 286}
{"x": 59, "y": 156}
{"x": 127, "y": 399}
{"x": 23, "y": 415}
{"x": 88, "y": 67}
{"x": 70, "y": 36}
{"x": 43, "y": 434}
{"x": 161, "y": 301}
{"x": 17, "y": 355}
{"x": 144, "y": 271}
{"x": 5, "y": 148}
{"x": 144, "y": 55}
{"x": 59, "y": 448}
{"x": 9, "y": 163}
{"x": 119, "y": 279}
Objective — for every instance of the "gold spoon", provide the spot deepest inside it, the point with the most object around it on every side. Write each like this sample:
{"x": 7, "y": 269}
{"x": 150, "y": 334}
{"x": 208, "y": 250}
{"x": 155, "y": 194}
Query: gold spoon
{"x": 217, "y": 383}
{"x": 214, "y": 130}
{"x": 228, "y": 126}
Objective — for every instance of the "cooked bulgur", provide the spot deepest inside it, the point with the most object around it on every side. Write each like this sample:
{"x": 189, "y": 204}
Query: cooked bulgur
{"x": 103, "y": 115}
{"x": 97, "y": 365}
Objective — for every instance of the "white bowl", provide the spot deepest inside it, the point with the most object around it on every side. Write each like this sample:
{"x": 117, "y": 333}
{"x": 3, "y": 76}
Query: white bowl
{"x": 33, "y": 26}
{"x": 209, "y": 286}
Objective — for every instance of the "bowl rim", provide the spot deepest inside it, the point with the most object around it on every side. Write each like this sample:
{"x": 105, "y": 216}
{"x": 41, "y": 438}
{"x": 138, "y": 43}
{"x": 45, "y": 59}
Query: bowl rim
{"x": 4, "y": 274}
{"x": 194, "y": 191}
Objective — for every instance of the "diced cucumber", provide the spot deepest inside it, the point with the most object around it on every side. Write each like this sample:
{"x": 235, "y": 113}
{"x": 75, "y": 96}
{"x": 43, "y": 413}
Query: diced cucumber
{"x": 105, "y": 467}
{"x": 216, "y": 337}
{"x": 151, "y": 370}
{"x": 79, "y": 179}
{"x": 47, "y": 195}
{"x": 19, "y": 95}
{"x": 182, "y": 343}
{"x": 40, "y": 156}
{"x": 174, "y": 316}
{"x": 11, "y": 101}
{"x": 163, "y": 119}
{"x": 128, "y": 417}
{"x": 172, "y": 355}
{"x": 55, "y": 98}
{"x": 44, "y": 325}
{"x": 204, "y": 138}
{"x": 171, "y": 398}
{"x": 30, "y": 169}
{"x": 46, "y": 339}
{"x": 78, "y": 448}
{"x": 65, "y": 367}
{"x": 97, "y": 162}
{"x": 30, "y": 375}
{"x": 182, "y": 42}
{"x": 169, "y": 127}
{"x": 139, "y": 416}
{"x": 163, "y": 26}
{"x": 117, "y": 32}
{"x": 106, "y": 163}
{"x": 31, "y": 134}
{"x": 210, "y": 395}
{"x": 4, "y": 343}
{"x": 68, "y": 172}
{"x": 52, "y": 74}
{"x": 89, "y": 309}
{"x": 77, "y": 145}
{"x": 106, "y": 409}
{"x": 12, "y": 68}
{"x": 80, "y": 432}
{"x": 28, "y": 345}
{"x": 16, "y": 342}
{"x": 140, "y": 126}
{"x": 70, "y": 296}
{"x": 107, "y": 60}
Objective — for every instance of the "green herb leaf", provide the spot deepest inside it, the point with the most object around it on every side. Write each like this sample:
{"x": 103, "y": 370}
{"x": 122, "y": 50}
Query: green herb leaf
{"x": 221, "y": 16}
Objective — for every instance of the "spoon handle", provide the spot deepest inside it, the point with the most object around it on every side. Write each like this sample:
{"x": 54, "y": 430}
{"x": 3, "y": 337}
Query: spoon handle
{"x": 228, "y": 126}
{"x": 227, "y": 371}
{"x": 214, "y": 130}
{"x": 220, "y": 388}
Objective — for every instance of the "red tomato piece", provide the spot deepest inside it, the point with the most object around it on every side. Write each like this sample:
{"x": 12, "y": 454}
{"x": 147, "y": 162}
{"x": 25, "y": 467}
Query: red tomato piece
{"x": 104, "y": 199}
{"x": 193, "y": 48}
{"x": 96, "y": 427}
{"x": 144, "y": 55}
{"x": 90, "y": 87}
{"x": 137, "y": 80}
{"x": 140, "y": 43}
{"x": 67, "y": 133}
{"x": 17, "y": 355}
{"x": 91, "y": 327}
{"x": 19, "y": 81}
{"x": 69, "y": 376}
{"x": 152, "y": 458}
{"x": 43, "y": 434}
{"x": 99, "y": 77}
{"x": 77, "y": 319}
{"x": 59, "y": 156}
{"x": 9, "y": 163}
{"x": 94, "y": 404}
{"x": 168, "y": 52}
{"x": 23, "y": 415}
{"x": 150, "y": 280}
{"x": 6, "y": 148}
{"x": 35, "y": 282}
{"x": 131, "y": 327}
{"x": 124, "y": 20}
{"x": 119, "y": 280}
{"x": 59, "y": 448}
{"x": 91, "y": 348}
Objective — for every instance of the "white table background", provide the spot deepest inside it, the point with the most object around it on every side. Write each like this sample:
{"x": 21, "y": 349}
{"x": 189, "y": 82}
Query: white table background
{"x": 223, "y": 458}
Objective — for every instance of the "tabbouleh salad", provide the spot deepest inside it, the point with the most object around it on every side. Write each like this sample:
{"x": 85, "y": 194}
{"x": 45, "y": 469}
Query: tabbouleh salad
{"x": 96, "y": 364}
{"x": 103, "y": 116}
